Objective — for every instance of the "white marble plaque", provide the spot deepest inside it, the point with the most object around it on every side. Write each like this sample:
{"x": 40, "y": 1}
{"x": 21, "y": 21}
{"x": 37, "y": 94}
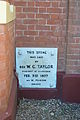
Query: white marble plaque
{"x": 36, "y": 67}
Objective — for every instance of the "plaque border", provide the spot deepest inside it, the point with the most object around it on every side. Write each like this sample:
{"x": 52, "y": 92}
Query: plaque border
{"x": 56, "y": 67}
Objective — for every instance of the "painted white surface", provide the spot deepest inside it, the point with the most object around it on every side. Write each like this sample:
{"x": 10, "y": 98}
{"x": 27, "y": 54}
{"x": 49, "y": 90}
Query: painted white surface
{"x": 36, "y": 67}
{"x": 7, "y": 12}
{"x": 11, "y": 8}
{"x": 3, "y": 12}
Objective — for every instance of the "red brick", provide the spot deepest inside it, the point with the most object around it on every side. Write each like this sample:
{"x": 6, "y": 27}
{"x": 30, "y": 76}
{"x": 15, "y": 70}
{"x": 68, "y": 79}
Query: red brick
{"x": 53, "y": 22}
{"x": 20, "y": 15}
{"x": 30, "y": 9}
{"x": 30, "y": 15}
{"x": 43, "y": 4}
{"x": 74, "y": 67}
{"x": 42, "y": 27}
{"x": 20, "y": 3}
{"x": 51, "y": 40}
{"x": 53, "y": 28}
{"x": 23, "y": 39}
{"x": 18, "y": 21}
{"x": 74, "y": 46}
{"x": 19, "y": 9}
{"x": 42, "y": 38}
{"x": 31, "y": 27}
{"x": 31, "y": 4}
{"x": 42, "y": 21}
{"x": 31, "y": 21}
{"x": 73, "y": 51}
{"x": 46, "y": 16}
{"x": 19, "y": 33}
{"x": 55, "y": 4}
{"x": 42, "y": 10}
{"x": 21, "y": 27}
{"x": 63, "y": 4}
{"x": 46, "y": 33}
{"x": 74, "y": 62}
{"x": 73, "y": 57}
{"x": 54, "y": 16}
{"x": 49, "y": 20}
{"x": 54, "y": 10}
{"x": 30, "y": 33}
{"x": 77, "y": 40}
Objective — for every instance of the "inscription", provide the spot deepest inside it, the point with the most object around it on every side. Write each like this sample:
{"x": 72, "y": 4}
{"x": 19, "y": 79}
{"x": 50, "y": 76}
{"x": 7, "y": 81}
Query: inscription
{"x": 36, "y": 67}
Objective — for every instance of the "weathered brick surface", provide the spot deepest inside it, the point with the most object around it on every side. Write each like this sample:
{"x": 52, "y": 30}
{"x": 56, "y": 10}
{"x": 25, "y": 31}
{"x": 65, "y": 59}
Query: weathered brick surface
{"x": 6, "y": 63}
{"x": 45, "y": 23}
{"x": 73, "y": 44}
{"x": 42, "y": 24}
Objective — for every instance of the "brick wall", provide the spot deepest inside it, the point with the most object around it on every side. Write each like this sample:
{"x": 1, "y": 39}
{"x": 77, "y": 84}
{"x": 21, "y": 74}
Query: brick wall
{"x": 42, "y": 24}
{"x": 51, "y": 23}
{"x": 73, "y": 45}
{"x": 6, "y": 63}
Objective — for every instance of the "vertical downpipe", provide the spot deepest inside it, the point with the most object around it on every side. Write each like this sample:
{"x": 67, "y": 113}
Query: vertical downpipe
{"x": 66, "y": 37}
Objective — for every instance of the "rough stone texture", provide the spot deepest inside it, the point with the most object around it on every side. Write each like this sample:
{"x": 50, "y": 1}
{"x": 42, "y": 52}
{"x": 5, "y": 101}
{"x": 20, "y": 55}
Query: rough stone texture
{"x": 47, "y": 110}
